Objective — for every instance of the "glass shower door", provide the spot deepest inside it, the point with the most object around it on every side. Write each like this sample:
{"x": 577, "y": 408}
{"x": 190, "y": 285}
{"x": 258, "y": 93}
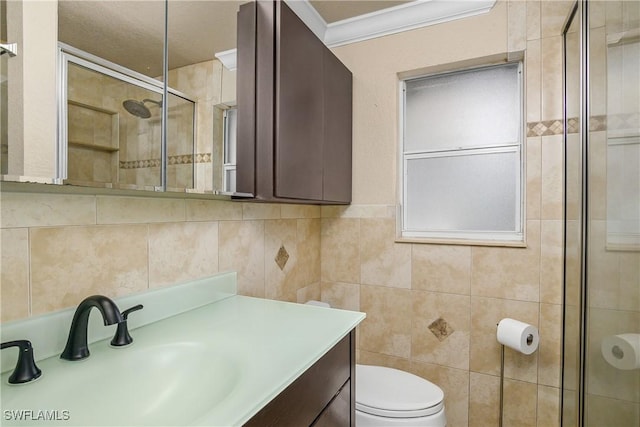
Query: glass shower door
{"x": 612, "y": 389}
{"x": 601, "y": 382}
{"x": 573, "y": 224}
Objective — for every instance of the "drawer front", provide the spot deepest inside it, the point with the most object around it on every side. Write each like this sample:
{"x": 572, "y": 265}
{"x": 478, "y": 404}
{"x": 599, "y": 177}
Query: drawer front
{"x": 301, "y": 403}
{"x": 338, "y": 412}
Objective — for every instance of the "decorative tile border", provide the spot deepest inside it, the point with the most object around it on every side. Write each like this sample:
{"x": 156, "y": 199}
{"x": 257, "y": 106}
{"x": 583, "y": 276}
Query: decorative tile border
{"x": 596, "y": 124}
{"x": 185, "y": 159}
{"x": 140, "y": 164}
{"x": 544, "y": 128}
{"x": 204, "y": 157}
{"x": 623, "y": 121}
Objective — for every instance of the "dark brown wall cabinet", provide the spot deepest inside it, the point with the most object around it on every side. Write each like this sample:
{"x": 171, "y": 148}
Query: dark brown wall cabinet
{"x": 323, "y": 396}
{"x": 294, "y": 110}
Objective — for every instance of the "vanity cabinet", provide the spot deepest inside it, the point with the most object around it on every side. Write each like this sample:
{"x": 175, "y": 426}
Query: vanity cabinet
{"x": 294, "y": 110}
{"x": 324, "y": 395}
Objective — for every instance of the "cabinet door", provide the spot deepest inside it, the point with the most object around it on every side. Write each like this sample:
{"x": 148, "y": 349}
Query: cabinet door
{"x": 299, "y": 121}
{"x": 294, "y": 110}
{"x": 338, "y": 412}
{"x": 337, "y": 84}
{"x": 246, "y": 77}
{"x": 302, "y": 401}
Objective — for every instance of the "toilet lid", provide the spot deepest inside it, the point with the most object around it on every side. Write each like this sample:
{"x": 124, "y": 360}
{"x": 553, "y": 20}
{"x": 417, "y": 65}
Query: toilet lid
{"x": 392, "y": 393}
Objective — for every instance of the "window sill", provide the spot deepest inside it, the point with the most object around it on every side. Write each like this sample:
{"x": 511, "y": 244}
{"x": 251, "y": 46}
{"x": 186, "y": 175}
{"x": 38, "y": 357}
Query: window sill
{"x": 461, "y": 242}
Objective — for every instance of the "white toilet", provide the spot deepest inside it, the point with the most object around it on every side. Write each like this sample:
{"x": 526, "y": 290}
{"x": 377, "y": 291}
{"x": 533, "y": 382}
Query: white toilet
{"x": 387, "y": 397}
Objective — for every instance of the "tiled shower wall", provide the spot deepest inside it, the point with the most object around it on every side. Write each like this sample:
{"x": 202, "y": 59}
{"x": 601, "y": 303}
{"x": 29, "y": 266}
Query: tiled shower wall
{"x": 433, "y": 309}
{"x": 57, "y": 249}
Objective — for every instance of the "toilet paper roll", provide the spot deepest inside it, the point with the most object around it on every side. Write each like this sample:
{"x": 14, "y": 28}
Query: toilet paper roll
{"x": 622, "y": 351}
{"x": 517, "y": 335}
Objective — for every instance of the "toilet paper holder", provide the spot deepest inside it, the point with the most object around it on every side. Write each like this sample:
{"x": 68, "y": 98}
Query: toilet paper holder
{"x": 617, "y": 352}
{"x": 529, "y": 340}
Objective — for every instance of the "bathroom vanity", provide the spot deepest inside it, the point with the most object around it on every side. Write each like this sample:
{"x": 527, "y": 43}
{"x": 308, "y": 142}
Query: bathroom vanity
{"x": 324, "y": 395}
{"x": 201, "y": 355}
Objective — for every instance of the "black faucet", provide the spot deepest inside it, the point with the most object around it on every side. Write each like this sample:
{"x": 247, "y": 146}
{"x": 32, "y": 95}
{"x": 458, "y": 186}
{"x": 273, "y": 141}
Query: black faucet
{"x": 26, "y": 369}
{"x": 77, "y": 347}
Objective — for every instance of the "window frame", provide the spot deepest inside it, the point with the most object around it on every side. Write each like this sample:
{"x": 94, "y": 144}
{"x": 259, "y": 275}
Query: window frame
{"x": 494, "y": 237}
{"x": 229, "y": 165}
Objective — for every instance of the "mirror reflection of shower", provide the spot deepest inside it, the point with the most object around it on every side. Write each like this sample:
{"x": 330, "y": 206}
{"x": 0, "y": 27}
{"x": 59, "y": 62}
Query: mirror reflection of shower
{"x": 111, "y": 127}
{"x": 138, "y": 109}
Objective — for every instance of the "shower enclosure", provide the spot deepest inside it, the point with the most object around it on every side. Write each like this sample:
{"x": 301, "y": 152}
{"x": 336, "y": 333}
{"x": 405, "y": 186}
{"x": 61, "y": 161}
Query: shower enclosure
{"x": 111, "y": 127}
{"x": 600, "y": 385}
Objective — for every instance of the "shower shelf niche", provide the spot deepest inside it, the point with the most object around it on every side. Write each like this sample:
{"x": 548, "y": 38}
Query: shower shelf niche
{"x": 93, "y": 144}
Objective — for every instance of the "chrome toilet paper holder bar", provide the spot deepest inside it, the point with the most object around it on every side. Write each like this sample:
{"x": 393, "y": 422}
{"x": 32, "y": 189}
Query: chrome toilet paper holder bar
{"x": 529, "y": 342}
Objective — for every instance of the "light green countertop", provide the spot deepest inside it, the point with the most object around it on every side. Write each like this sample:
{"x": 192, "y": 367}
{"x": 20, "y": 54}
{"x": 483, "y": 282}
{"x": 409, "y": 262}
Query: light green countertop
{"x": 215, "y": 365}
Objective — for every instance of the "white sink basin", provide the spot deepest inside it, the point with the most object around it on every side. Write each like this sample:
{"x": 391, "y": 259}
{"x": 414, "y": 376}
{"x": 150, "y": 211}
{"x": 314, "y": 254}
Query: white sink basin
{"x": 137, "y": 385}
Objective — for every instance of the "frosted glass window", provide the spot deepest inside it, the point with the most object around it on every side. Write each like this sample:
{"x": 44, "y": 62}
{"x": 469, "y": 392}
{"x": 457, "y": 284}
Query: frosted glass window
{"x": 230, "y": 180}
{"x": 467, "y": 109}
{"x": 229, "y": 166}
{"x": 230, "y": 128}
{"x": 462, "y": 155}
{"x": 463, "y": 192}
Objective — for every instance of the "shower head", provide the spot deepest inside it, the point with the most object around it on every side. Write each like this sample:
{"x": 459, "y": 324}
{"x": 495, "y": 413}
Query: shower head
{"x": 138, "y": 109}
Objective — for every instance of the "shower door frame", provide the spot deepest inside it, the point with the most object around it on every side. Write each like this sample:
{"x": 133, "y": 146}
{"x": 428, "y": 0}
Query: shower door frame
{"x": 580, "y": 11}
{"x": 69, "y": 54}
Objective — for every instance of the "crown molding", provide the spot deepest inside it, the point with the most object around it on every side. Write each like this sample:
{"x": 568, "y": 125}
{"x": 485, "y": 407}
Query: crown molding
{"x": 309, "y": 16}
{"x": 228, "y": 58}
{"x": 408, "y": 16}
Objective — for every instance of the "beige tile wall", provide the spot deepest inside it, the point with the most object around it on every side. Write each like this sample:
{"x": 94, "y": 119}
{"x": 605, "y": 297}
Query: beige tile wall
{"x": 405, "y": 288}
{"x": 58, "y": 249}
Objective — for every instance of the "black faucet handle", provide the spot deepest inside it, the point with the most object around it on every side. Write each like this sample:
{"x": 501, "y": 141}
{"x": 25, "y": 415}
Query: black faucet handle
{"x": 122, "y": 336}
{"x": 26, "y": 369}
{"x": 125, "y": 313}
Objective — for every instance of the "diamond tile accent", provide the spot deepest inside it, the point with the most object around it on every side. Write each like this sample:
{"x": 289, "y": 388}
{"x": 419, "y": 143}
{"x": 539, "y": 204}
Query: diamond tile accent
{"x": 555, "y": 128}
{"x": 545, "y": 128}
{"x": 282, "y": 257}
{"x": 535, "y": 129}
{"x": 203, "y": 157}
{"x": 597, "y": 123}
{"x": 441, "y": 329}
{"x": 573, "y": 125}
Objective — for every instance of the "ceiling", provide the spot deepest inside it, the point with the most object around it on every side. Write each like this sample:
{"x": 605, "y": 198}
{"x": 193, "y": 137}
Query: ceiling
{"x": 338, "y": 10}
{"x": 130, "y": 33}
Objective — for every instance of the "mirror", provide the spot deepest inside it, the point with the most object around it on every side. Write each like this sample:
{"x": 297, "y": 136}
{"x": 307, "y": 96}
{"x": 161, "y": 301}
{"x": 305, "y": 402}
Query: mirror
{"x": 112, "y": 53}
{"x": 622, "y": 139}
{"x": 131, "y": 35}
